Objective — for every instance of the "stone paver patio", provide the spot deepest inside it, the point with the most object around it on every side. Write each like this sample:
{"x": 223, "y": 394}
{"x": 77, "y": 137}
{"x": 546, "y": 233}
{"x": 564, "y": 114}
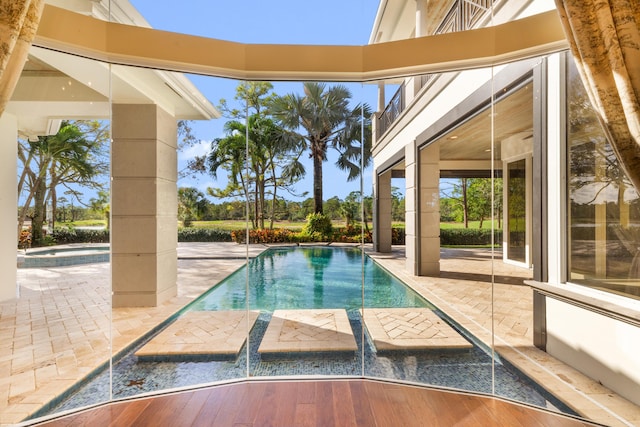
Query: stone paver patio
{"x": 62, "y": 327}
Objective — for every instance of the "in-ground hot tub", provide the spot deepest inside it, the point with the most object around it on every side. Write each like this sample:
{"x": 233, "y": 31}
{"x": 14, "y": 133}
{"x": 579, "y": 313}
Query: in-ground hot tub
{"x": 63, "y": 255}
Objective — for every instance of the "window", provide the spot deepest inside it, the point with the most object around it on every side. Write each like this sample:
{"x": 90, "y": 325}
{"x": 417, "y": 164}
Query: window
{"x": 604, "y": 218}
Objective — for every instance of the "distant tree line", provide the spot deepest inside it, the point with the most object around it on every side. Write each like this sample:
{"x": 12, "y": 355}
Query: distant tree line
{"x": 193, "y": 205}
{"x": 469, "y": 199}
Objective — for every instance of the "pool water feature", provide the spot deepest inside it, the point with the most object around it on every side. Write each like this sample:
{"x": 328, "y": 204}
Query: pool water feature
{"x": 313, "y": 277}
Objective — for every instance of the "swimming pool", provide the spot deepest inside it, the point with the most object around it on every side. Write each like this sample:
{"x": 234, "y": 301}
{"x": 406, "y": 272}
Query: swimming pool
{"x": 311, "y": 277}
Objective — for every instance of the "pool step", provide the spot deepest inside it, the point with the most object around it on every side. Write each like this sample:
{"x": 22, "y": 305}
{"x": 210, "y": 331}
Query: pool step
{"x": 310, "y": 331}
{"x": 411, "y": 329}
{"x": 201, "y": 335}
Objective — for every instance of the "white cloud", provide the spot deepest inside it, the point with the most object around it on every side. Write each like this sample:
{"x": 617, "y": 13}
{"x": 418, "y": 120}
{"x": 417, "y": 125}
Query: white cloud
{"x": 199, "y": 149}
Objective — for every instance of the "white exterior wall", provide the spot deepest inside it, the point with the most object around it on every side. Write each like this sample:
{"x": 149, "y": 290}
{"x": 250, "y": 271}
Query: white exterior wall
{"x": 412, "y": 123}
{"x": 8, "y": 205}
{"x": 603, "y": 348}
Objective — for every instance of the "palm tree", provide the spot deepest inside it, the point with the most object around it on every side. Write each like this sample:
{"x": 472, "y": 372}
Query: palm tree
{"x": 273, "y": 163}
{"x": 69, "y": 157}
{"x": 328, "y": 121}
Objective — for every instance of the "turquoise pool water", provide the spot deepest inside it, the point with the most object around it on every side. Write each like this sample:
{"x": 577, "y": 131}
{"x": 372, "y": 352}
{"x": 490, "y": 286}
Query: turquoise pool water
{"x": 310, "y": 277}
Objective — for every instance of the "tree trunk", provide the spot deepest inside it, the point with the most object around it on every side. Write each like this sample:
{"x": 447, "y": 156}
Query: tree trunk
{"x": 274, "y": 199}
{"x": 37, "y": 236}
{"x": 465, "y": 204}
{"x": 262, "y": 201}
{"x": 317, "y": 182}
{"x": 54, "y": 197}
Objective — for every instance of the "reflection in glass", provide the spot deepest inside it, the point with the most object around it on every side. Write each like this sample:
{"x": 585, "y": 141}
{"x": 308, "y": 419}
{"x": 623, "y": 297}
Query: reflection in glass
{"x": 604, "y": 226}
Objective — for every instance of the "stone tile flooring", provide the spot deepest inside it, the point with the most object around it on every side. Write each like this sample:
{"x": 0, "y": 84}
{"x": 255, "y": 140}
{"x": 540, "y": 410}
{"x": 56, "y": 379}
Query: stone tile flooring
{"x": 308, "y": 331}
{"x": 58, "y": 330}
{"x": 202, "y": 333}
{"x": 411, "y": 329}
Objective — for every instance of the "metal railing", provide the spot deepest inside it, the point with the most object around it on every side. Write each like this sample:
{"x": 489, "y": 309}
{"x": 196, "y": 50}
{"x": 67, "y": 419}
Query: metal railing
{"x": 391, "y": 112}
{"x": 463, "y": 15}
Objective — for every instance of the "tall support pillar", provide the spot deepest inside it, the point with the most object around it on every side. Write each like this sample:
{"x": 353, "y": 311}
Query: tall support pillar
{"x": 8, "y": 205}
{"x": 421, "y": 18}
{"x": 415, "y": 83}
{"x": 143, "y": 206}
{"x": 429, "y": 210}
{"x": 382, "y": 228}
{"x": 410, "y": 213}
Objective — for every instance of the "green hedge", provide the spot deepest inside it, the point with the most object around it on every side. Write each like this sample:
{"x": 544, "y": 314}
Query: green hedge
{"x": 398, "y": 236}
{"x": 468, "y": 237}
{"x": 448, "y": 237}
{"x": 203, "y": 235}
{"x": 63, "y": 236}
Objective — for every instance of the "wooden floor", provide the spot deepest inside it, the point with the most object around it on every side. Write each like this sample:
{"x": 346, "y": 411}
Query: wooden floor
{"x": 315, "y": 403}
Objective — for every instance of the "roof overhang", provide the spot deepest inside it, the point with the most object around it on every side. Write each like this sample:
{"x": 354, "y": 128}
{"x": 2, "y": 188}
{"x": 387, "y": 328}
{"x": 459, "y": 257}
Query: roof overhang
{"x": 116, "y": 43}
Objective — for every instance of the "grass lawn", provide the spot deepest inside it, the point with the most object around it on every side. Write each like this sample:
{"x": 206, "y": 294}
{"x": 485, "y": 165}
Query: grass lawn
{"x": 83, "y": 223}
{"x": 231, "y": 225}
{"x": 472, "y": 224}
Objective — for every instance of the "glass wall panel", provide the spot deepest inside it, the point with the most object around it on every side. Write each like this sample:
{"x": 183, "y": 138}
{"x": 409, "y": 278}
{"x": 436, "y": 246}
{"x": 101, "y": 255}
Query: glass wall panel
{"x": 306, "y": 150}
{"x": 605, "y": 208}
{"x": 427, "y": 330}
{"x": 57, "y": 328}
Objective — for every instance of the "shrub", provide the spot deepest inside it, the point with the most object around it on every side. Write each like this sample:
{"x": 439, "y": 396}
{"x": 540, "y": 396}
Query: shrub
{"x": 63, "y": 236}
{"x": 203, "y": 235}
{"x": 468, "y": 237}
{"x": 24, "y": 240}
{"x": 278, "y": 235}
{"x": 398, "y": 236}
{"x": 318, "y": 223}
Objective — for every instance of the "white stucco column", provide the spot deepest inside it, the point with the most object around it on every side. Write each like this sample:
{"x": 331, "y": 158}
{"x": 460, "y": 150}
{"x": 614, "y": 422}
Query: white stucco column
{"x": 143, "y": 205}
{"x": 429, "y": 210}
{"x": 421, "y": 30}
{"x": 410, "y": 215}
{"x": 8, "y": 204}
{"x": 382, "y": 228}
{"x": 381, "y": 96}
{"x": 421, "y": 18}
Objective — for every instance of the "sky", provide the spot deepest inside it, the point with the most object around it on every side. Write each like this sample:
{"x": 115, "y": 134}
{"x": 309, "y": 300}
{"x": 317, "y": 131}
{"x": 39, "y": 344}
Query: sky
{"x": 346, "y": 22}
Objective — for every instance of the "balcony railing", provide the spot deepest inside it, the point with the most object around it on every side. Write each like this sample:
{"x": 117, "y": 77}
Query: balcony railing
{"x": 463, "y": 15}
{"x": 391, "y": 112}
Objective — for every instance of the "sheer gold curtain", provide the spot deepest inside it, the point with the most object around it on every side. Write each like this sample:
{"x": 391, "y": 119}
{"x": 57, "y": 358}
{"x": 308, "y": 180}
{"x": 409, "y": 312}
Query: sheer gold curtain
{"x": 18, "y": 24}
{"x": 605, "y": 41}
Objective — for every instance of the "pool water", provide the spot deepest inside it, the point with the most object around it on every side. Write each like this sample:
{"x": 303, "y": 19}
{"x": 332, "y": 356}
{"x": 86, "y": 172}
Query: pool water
{"x": 312, "y": 277}
{"x": 307, "y": 278}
